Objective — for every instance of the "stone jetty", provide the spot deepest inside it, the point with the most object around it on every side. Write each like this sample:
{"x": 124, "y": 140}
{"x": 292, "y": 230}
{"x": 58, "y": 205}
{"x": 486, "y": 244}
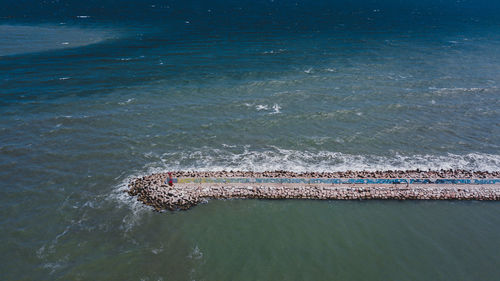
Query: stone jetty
{"x": 190, "y": 188}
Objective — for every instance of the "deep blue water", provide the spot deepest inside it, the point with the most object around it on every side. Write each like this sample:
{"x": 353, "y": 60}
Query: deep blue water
{"x": 93, "y": 93}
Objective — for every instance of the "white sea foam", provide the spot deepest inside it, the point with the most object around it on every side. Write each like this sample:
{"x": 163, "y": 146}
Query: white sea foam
{"x": 227, "y": 145}
{"x": 126, "y": 102}
{"x": 260, "y": 107}
{"x": 462, "y": 90}
{"x": 274, "y": 51}
{"x": 309, "y": 70}
{"x": 276, "y": 109}
{"x": 275, "y": 158}
{"x": 131, "y": 58}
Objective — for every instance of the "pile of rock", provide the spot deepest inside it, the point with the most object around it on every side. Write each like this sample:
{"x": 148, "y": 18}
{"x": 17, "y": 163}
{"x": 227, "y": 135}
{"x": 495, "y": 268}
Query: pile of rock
{"x": 154, "y": 191}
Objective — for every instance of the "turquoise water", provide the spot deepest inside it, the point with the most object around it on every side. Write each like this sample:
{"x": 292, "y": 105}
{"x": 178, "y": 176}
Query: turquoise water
{"x": 95, "y": 93}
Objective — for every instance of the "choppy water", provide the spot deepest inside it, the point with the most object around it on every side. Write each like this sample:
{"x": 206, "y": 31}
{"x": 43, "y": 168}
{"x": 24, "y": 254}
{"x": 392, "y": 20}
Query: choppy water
{"x": 94, "y": 93}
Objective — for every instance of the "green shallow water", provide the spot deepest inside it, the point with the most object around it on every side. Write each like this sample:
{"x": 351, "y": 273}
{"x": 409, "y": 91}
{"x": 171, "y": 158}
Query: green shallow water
{"x": 287, "y": 240}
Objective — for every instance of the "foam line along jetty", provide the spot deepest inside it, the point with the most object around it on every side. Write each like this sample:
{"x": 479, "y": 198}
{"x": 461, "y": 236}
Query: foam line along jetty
{"x": 185, "y": 189}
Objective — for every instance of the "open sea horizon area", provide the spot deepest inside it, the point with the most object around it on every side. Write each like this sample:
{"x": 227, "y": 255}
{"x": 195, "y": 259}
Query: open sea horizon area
{"x": 102, "y": 100}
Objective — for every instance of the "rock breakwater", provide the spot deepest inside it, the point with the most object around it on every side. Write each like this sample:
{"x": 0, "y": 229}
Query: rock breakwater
{"x": 449, "y": 174}
{"x": 154, "y": 190}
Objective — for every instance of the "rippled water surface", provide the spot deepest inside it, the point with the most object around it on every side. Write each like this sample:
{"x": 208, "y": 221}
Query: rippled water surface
{"x": 95, "y": 93}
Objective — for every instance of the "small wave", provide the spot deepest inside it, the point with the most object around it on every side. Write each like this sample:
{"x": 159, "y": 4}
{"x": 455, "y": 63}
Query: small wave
{"x": 120, "y": 195}
{"x": 196, "y": 253}
{"x": 270, "y": 52}
{"x": 462, "y": 90}
{"x": 49, "y": 251}
{"x": 130, "y": 58}
{"x": 126, "y": 102}
{"x": 264, "y": 107}
{"x": 227, "y": 145}
{"x": 157, "y": 250}
{"x": 309, "y": 70}
{"x": 260, "y": 107}
{"x": 276, "y": 109}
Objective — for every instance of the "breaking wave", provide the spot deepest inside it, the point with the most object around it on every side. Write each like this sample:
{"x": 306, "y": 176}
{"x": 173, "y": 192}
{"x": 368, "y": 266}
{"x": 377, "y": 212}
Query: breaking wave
{"x": 275, "y": 158}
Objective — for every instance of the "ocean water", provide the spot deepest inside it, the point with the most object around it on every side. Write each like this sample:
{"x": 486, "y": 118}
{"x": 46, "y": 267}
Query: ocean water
{"x": 94, "y": 93}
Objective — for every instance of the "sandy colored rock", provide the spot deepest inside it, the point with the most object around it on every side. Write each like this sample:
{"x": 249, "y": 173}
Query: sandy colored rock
{"x": 153, "y": 191}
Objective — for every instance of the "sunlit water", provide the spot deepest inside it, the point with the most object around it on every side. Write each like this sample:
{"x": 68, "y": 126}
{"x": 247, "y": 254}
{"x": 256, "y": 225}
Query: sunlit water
{"x": 95, "y": 93}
